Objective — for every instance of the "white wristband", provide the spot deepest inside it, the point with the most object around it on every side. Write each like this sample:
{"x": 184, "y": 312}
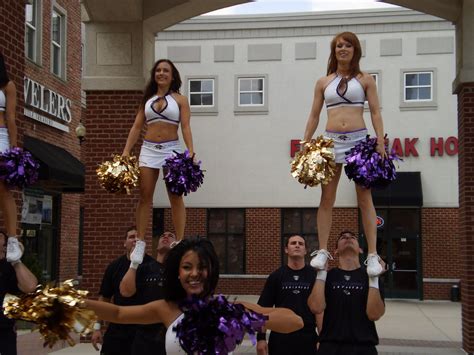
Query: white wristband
{"x": 374, "y": 282}
{"x": 97, "y": 326}
{"x": 134, "y": 265}
{"x": 322, "y": 274}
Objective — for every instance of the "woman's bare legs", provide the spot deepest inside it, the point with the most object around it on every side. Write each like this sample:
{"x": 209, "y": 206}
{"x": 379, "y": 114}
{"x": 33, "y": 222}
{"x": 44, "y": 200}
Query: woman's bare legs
{"x": 148, "y": 179}
{"x": 324, "y": 218}
{"x": 369, "y": 222}
{"x": 8, "y": 207}
{"x": 178, "y": 214}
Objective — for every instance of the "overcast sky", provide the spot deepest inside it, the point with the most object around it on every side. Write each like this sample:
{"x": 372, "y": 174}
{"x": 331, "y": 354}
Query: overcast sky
{"x": 279, "y": 6}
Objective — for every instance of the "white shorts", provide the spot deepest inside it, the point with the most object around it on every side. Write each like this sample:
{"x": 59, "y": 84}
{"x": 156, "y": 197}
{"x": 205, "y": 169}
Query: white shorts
{"x": 154, "y": 154}
{"x": 4, "y": 139}
{"x": 344, "y": 142}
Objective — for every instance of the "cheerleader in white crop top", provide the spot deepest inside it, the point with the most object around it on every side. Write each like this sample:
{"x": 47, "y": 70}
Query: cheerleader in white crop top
{"x": 8, "y": 139}
{"x": 345, "y": 90}
{"x": 191, "y": 269}
{"x": 161, "y": 112}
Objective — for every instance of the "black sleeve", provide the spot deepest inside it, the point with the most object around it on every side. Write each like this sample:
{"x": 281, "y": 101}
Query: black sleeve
{"x": 107, "y": 286}
{"x": 12, "y": 281}
{"x": 267, "y": 297}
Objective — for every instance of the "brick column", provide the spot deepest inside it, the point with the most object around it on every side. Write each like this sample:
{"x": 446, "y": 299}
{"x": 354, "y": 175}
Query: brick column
{"x": 110, "y": 115}
{"x": 466, "y": 216}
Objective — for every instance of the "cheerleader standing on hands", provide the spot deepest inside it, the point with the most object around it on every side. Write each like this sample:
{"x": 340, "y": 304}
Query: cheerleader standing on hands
{"x": 345, "y": 90}
{"x": 8, "y": 139}
{"x": 162, "y": 110}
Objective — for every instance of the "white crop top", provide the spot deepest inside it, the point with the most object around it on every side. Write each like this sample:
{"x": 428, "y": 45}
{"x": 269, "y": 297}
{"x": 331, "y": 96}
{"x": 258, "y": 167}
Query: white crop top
{"x": 169, "y": 112}
{"x": 3, "y": 101}
{"x": 172, "y": 341}
{"x": 344, "y": 93}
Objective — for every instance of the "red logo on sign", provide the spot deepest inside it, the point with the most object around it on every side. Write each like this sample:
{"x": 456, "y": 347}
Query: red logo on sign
{"x": 380, "y": 222}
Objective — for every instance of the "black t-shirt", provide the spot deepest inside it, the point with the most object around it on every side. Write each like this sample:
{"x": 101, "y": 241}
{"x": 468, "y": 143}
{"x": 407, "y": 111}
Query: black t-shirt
{"x": 8, "y": 284}
{"x": 110, "y": 288}
{"x": 290, "y": 288}
{"x": 150, "y": 285}
{"x": 345, "y": 317}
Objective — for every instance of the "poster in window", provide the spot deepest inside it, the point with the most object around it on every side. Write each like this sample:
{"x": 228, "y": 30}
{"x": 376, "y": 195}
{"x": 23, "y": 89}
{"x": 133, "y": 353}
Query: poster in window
{"x": 47, "y": 209}
{"x": 32, "y": 209}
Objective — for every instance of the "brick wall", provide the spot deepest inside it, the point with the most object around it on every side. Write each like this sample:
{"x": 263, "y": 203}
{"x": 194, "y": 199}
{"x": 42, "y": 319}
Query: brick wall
{"x": 110, "y": 115}
{"x": 12, "y": 46}
{"x": 466, "y": 211}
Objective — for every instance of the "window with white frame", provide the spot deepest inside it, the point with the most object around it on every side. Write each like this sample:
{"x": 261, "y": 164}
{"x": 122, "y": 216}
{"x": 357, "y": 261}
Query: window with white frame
{"x": 32, "y": 29}
{"x": 418, "y": 86}
{"x": 251, "y": 91}
{"x": 58, "y": 43}
{"x": 201, "y": 92}
{"x": 251, "y": 94}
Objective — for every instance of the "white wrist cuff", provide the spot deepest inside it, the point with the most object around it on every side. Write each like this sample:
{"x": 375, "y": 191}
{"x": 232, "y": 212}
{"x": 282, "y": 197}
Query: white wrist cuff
{"x": 134, "y": 265}
{"x": 374, "y": 282}
{"x": 15, "y": 262}
{"x": 322, "y": 274}
{"x": 97, "y": 326}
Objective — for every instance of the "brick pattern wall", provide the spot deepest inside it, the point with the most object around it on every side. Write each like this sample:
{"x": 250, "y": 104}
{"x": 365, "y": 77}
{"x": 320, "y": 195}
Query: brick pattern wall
{"x": 466, "y": 215}
{"x": 110, "y": 115}
{"x": 440, "y": 233}
{"x": 12, "y": 46}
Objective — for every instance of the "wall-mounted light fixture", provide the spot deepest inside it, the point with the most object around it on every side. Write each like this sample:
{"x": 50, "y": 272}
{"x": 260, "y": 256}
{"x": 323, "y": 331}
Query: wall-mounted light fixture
{"x": 81, "y": 132}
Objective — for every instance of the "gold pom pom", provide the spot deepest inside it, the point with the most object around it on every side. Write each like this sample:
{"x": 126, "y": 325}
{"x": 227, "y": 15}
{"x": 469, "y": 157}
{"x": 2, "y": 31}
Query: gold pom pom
{"x": 315, "y": 164}
{"x": 55, "y": 310}
{"x": 119, "y": 175}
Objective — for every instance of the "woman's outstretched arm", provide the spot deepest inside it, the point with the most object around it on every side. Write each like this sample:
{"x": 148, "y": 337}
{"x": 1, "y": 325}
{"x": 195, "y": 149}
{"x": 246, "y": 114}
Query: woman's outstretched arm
{"x": 281, "y": 320}
{"x": 149, "y": 313}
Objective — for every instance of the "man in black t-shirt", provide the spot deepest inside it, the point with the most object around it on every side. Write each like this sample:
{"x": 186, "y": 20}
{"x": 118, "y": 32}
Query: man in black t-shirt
{"x": 118, "y": 338}
{"x": 146, "y": 282}
{"x": 290, "y": 286}
{"x": 351, "y": 302}
{"x": 14, "y": 277}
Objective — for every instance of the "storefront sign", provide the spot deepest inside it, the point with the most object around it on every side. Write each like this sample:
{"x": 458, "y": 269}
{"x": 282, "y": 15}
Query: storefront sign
{"x": 56, "y": 106}
{"x": 406, "y": 147}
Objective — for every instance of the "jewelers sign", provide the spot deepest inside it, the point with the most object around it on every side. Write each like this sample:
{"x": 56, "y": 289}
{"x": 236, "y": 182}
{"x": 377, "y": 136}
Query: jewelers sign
{"x": 46, "y": 101}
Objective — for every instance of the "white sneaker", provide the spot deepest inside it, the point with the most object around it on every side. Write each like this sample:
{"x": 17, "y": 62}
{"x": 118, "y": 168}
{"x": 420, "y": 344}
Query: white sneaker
{"x": 320, "y": 259}
{"x": 14, "y": 252}
{"x": 374, "y": 268}
{"x": 136, "y": 257}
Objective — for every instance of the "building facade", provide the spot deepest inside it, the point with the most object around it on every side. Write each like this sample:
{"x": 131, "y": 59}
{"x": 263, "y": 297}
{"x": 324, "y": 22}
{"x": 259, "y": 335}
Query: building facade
{"x": 250, "y": 82}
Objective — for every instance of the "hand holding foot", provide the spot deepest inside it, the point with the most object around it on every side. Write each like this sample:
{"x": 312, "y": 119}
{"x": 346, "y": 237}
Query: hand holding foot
{"x": 136, "y": 257}
{"x": 14, "y": 250}
{"x": 320, "y": 259}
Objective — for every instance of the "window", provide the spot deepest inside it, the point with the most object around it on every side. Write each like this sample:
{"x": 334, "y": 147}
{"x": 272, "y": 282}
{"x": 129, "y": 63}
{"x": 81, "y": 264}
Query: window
{"x": 32, "y": 30}
{"x": 419, "y": 89}
{"x": 202, "y": 94}
{"x": 377, "y": 78}
{"x": 301, "y": 221}
{"x": 58, "y": 43}
{"x": 251, "y": 94}
{"x": 418, "y": 86}
{"x": 226, "y": 230}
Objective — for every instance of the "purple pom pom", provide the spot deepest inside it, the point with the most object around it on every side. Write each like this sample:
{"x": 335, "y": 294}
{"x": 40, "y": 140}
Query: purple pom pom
{"x": 216, "y": 326}
{"x": 18, "y": 168}
{"x": 367, "y": 168}
{"x": 183, "y": 175}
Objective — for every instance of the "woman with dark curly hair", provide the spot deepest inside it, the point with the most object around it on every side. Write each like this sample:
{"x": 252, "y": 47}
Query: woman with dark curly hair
{"x": 191, "y": 269}
{"x": 344, "y": 90}
{"x": 162, "y": 110}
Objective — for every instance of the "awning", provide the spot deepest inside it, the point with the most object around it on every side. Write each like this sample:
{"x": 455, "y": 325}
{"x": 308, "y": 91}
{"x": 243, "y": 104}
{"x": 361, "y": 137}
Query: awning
{"x": 59, "y": 170}
{"x": 404, "y": 191}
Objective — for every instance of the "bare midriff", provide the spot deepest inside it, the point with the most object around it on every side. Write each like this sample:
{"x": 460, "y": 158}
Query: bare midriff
{"x": 161, "y": 132}
{"x": 345, "y": 119}
{"x": 2, "y": 119}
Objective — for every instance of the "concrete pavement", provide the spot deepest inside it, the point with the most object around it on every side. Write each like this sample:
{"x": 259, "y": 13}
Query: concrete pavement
{"x": 408, "y": 327}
